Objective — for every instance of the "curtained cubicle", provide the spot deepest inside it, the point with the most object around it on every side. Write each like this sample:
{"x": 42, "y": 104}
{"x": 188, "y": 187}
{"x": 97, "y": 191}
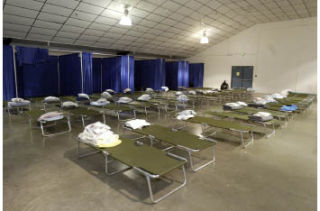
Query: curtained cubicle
{"x": 196, "y": 71}
{"x": 177, "y": 74}
{"x": 150, "y": 74}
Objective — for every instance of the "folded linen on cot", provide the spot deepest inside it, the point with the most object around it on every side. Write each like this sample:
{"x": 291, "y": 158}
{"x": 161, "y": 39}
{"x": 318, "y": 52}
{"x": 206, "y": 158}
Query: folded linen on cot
{"x": 69, "y": 104}
{"x": 292, "y": 107}
{"x": 124, "y": 100}
{"x": 100, "y": 102}
{"x": 99, "y": 135}
{"x": 261, "y": 117}
{"x": 106, "y": 95}
{"x": 186, "y": 114}
{"x": 137, "y": 124}
{"x": 51, "y": 99}
{"x": 51, "y": 116}
{"x": 234, "y": 106}
{"x": 127, "y": 90}
{"x": 165, "y": 88}
{"x": 144, "y": 97}
{"x": 182, "y": 98}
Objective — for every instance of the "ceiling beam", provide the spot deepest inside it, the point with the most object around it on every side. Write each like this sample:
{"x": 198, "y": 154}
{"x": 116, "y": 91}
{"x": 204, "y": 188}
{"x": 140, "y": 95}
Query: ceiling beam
{"x": 71, "y": 47}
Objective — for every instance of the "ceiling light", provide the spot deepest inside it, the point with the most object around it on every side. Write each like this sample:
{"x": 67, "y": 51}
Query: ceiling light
{"x": 125, "y": 19}
{"x": 204, "y": 39}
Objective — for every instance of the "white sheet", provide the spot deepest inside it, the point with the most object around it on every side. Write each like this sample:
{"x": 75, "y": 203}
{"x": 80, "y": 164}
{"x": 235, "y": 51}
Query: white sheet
{"x": 124, "y": 100}
{"x": 137, "y": 124}
{"x": 84, "y": 95}
{"x": 69, "y": 104}
{"x": 186, "y": 114}
{"x": 51, "y": 116}
{"x": 144, "y": 97}
{"x": 99, "y": 135}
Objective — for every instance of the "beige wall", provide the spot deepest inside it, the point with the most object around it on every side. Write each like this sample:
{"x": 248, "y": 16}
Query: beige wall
{"x": 284, "y": 56}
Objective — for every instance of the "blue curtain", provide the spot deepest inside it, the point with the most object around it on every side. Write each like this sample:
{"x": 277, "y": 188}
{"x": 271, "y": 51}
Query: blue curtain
{"x": 28, "y": 55}
{"x": 70, "y": 74}
{"x": 118, "y": 73}
{"x": 111, "y": 68}
{"x": 177, "y": 74}
{"x": 150, "y": 73}
{"x": 96, "y": 75}
{"x": 87, "y": 73}
{"x": 37, "y": 73}
{"x": 196, "y": 72}
{"x": 8, "y": 73}
{"x": 127, "y": 72}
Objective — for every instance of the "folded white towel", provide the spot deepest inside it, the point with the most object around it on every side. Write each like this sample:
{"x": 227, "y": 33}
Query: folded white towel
{"x": 277, "y": 96}
{"x": 124, "y": 100}
{"x": 259, "y": 101}
{"x": 100, "y": 102}
{"x": 99, "y": 135}
{"x": 137, "y": 123}
{"x": 192, "y": 92}
{"x": 182, "y": 98}
{"x": 243, "y": 104}
{"x": 127, "y": 90}
{"x": 110, "y": 91}
{"x": 106, "y": 95}
{"x": 165, "y": 88}
{"x": 186, "y": 114}
{"x": 51, "y": 99}
{"x": 144, "y": 97}
{"x": 51, "y": 116}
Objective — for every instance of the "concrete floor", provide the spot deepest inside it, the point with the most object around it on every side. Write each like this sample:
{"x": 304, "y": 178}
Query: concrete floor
{"x": 278, "y": 173}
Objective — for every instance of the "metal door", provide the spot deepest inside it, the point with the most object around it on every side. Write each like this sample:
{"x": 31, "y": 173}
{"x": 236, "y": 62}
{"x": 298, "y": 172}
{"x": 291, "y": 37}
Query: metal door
{"x": 241, "y": 77}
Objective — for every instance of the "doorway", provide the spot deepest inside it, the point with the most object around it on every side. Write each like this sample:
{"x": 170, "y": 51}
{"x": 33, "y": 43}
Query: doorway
{"x": 241, "y": 77}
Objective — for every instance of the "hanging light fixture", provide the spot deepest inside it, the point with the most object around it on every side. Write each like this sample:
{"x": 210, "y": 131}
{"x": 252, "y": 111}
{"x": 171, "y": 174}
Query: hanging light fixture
{"x": 204, "y": 39}
{"x": 125, "y": 19}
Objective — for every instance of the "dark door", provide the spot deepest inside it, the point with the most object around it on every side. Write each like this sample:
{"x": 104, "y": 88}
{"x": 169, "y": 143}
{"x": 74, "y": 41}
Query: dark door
{"x": 241, "y": 77}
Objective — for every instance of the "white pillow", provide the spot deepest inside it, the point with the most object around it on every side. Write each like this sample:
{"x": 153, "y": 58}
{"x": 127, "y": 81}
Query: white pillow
{"x": 69, "y": 104}
{"x": 83, "y": 95}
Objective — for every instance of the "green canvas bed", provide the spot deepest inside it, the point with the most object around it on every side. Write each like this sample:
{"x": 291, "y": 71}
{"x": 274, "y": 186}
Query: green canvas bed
{"x": 118, "y": 109}
{"x": 274, "y": 123}
{"x": 179, "y": 139}
{"x": 145, "y": 105}
{"x": 83, "y": 112}
{"x": 33, "y": 116}
{"x": 231, "y": 126}
{"x": 276, "y": 114}
{"x": 147, "y": 160}
{"x": 277, "y": 107}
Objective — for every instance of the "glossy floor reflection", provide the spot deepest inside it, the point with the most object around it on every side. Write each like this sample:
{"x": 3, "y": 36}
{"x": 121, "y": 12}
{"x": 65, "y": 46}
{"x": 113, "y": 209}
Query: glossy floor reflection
{"x": 278, "y": 173}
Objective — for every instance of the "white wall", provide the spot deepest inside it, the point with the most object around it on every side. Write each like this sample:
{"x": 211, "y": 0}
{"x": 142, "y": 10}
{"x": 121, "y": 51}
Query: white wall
{"x": 284, "y": 56}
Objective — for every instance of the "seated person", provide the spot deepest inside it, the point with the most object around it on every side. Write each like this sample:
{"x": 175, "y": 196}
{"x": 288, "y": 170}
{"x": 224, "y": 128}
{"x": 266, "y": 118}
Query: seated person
{"x": 224, "y": 85}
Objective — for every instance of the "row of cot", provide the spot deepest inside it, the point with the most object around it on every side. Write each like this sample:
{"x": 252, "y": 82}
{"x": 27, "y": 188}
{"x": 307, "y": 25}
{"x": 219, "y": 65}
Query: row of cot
{"x": 135, "y": 156}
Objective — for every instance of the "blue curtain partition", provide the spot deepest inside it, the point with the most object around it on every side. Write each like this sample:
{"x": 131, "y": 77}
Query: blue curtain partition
{"x": 72, "y": 79}
{"x": 37, "y": 73}
{"x": 96, "y": 75}
{"x": 118, "y": 73}
{"x": 150, "y": 74}
{"x": 87, "y": 73}
{"x": 8, "y": 73}
{"x": 70, "y": 74}
{"x": 196, "y": 72}
{"x": 177, "y": 74}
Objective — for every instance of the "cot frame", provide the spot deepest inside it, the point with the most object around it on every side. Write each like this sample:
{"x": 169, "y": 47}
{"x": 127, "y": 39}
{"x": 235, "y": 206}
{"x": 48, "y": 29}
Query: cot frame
{"x": 190, "y": 151}
{"x": 148, "y": 176}
{"x": 43, "y": 126}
